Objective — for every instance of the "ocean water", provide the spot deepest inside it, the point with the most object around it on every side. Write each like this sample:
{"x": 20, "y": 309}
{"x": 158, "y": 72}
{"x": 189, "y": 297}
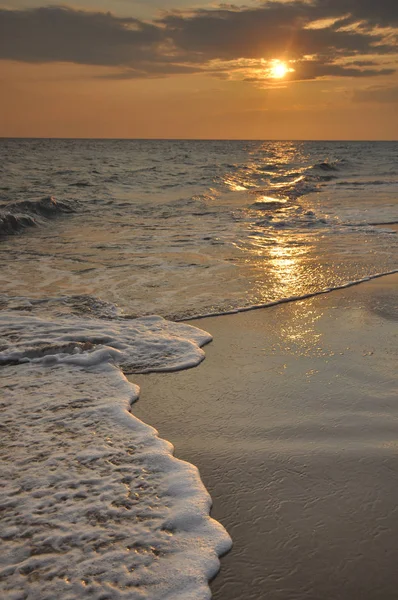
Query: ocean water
{"x": 98, "y": 236}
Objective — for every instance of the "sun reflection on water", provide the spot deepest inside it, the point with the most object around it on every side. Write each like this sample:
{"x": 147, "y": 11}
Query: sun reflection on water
{"x": 284, "y": 269}
{"x": 285, "y": 244}
{"x": 281, "y": 265}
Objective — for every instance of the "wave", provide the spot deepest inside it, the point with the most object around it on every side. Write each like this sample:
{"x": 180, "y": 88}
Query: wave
{"x": 366, "y": 183}
{"x": 140, "y": 516}
{"x": 309, "y": 220}
{"x": 81, "y": 184}
{"x": 17, "y": 216}
{"x": 307, "y": 180}
{"x": 279, "y": 212}
{"x": 144, "y": 169}
{"x": 10, "y": 223}
{"x": 326, "y": 165}
{"x": 395, "y": 222}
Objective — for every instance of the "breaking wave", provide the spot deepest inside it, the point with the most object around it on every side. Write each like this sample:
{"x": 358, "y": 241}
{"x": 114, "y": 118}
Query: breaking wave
{"x": 17, "y": 216}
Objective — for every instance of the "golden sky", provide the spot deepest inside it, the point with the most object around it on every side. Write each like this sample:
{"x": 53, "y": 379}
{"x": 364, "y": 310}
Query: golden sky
{"x": 305, "y": 69}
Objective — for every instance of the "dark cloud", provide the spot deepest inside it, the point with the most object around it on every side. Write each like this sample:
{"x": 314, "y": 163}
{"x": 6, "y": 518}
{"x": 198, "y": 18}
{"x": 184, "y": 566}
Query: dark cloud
{"x": 373, "y": 12}
{"x": 363, "y": 63}
{"x": 185, "y": 42}
{"x": 277, "y": 29}
{"x": 315, "y": 69}
{"x": 55, "y": 34}
{"x": 273, "y": 30}
{"x": 383, "y": 95}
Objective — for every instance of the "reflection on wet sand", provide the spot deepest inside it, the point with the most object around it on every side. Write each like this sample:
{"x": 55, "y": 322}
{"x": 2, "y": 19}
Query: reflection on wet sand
{"x": 292, "y": 422}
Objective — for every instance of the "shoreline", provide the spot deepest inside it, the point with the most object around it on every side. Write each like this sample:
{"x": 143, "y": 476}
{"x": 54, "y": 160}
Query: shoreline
{"x": 243, "y": 309}
{"x": 291, "y": 420}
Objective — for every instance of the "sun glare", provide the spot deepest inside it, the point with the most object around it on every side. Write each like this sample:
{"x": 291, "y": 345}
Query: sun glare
{"x": 279, "y": 69}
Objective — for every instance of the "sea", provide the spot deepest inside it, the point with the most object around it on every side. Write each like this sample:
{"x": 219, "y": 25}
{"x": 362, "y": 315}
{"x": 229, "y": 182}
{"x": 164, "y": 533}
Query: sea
{"x": 108, "y": 249}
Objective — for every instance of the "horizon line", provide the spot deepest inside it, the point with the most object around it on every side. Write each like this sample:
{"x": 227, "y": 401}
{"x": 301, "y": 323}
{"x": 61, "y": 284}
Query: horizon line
{"x": 177, "y": 139}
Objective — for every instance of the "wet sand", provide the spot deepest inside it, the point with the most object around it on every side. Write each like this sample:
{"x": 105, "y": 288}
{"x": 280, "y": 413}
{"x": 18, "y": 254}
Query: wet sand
{"x": 292, "y": 420}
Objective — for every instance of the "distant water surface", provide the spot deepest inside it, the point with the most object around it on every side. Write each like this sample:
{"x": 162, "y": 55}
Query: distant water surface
{"x": 180, "y": 228}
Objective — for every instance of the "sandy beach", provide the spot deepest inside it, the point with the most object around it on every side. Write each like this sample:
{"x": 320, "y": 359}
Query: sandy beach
{"x": 292, "y": 421}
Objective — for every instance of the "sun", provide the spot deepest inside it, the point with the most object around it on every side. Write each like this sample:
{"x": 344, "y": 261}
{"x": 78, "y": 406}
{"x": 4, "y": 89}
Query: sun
{"x": 278, "y": 69}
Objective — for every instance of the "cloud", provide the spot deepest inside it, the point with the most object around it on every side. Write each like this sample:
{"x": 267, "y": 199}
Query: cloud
{"x": 152, "y": 70}
{"x": 309, "y": 70}
{"x": 61, "y": 34}
{"x": 373, "y": 12}
{"x": 314, "y": 70}
{"x": 272, "y": 31}
{"x": 382, "y": 95}
{"x": 188, "y": 42}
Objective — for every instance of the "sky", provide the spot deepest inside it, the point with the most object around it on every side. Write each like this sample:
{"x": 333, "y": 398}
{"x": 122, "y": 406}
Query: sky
{"x": 280, "y": 69}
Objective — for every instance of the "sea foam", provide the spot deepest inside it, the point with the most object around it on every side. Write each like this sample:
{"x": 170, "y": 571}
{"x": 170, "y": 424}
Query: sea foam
{"x": 95, "y": 503}
{"x": 139, "y": 345}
